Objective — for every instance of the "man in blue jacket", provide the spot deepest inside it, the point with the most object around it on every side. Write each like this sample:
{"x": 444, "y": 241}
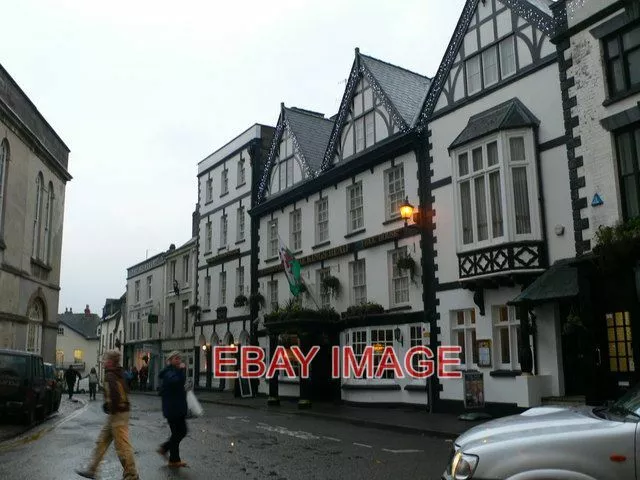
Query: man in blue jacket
{"x": 174, "y": 407}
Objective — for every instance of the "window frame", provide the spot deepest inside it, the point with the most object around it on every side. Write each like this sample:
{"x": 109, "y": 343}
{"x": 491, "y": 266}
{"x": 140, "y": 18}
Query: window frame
{"x": 186, "y": 259}
{"x": 207, "y": 291}
{"x": 272, "y": 291}
{"x": 514, "y": 327}
{"x": 295, "y": 230}
{"x": 241, "y": 173}
{"x": 479, "y": 56}
{"x": 172, "y": 317}
{"x": 392, "y": 212}
{"x": 224, "y": 182}
{"x": 240, "y": 286}
{"x": 357, "y": 299}
{"x": 209, "y": 190}
{"x": 224, "y": 237}
{"x": 240, "y": 224}
{"x": 222, "y": 299}
{"x": 634, "y": 134}
{"x": 322, "y": 220}
{"x": 397, "y": 276}
{"x": 469, "y": 356}
{"x": 622, "y": 55}
{"x": 325, "y": 298}
{"x": 360, "y": 208}
{"x": 209, "y": 237}
{"x": 272, "y": 238}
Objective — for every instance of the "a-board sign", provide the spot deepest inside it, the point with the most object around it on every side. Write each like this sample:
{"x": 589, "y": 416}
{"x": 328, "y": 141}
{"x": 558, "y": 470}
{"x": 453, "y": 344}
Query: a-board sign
{"x": 473, "y": 390}
{"x": 245, "y": 387}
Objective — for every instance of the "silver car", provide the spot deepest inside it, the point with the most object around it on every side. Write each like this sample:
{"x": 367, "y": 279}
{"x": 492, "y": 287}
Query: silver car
{"x": 553, "y": 443}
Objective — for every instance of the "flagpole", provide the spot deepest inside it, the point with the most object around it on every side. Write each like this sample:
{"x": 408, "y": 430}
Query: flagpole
{"x": 310, "y": 294}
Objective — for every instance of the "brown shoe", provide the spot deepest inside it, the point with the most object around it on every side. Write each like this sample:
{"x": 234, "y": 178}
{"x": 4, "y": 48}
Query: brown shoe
{"x": 177, "y": 464}
{"x": 162, "y": 452}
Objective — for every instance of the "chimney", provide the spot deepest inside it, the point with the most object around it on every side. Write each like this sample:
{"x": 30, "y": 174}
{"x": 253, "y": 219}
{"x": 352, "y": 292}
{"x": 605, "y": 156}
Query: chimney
{"x": 195, "y": 221}
{"x": 70, "y": 310}
{"x": 87, "y": 312}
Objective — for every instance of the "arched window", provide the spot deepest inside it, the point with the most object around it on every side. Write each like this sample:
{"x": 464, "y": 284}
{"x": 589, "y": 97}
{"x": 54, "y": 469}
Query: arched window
{"x": 4, "y": 157}
{"x": 48, "y": 225}
{"x": 34, "y": 328}
{"x": 37, "y": 217}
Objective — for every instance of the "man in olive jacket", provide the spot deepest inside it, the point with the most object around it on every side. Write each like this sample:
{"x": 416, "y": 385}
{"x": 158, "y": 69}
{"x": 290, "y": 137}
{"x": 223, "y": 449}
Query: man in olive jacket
{"x": 174, "y": 407}
{"x": 116, "y": 429}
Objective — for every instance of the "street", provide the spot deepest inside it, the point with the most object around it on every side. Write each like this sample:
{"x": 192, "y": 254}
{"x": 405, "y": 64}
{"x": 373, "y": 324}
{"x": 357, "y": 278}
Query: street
{"x": 227, "y": 442}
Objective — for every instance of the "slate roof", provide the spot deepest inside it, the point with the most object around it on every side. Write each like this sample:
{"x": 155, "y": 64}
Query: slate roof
{"x": 312, "y": 132}
{"x": 508, "y": 115}
{"x": 85, "y": 325}
{"x": 543, "y": 5}
{"x": 405, "y": 89}
{"x": 559, "y": 281}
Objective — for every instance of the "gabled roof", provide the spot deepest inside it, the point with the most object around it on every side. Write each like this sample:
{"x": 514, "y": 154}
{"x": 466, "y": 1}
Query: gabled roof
{"x": 538, "y": 12}
{"x": 401, "y": 91}
{"x": 310, "y": 133}
{"x": 82, "y": 324}
{"x": 508, "y": 115}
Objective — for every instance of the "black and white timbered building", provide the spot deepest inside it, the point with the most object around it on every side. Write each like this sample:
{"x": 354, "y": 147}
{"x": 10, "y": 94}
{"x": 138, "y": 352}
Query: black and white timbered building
{"x": 498, "y": 188}
{"x": 226, "y": 238}
{"x": 331, "y": 190}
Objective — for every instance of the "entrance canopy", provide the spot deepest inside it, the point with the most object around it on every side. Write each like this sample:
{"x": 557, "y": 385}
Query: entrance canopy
{"x": 560, "y": 281}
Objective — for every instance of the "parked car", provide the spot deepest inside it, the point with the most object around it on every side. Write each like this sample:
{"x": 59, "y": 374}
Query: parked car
{"x": 559, "y": 443}
{"x": 54, "y": 388}
{"x": 23, "y": 389}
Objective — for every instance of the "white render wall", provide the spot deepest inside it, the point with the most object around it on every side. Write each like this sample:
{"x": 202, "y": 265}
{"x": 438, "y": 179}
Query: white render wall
{"x": 70, "y": 341}
{"x": 146, "y": 305}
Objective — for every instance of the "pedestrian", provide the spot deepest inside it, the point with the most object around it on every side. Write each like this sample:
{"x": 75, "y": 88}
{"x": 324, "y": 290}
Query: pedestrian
{"x": 174, "y": 407}
{"x": 116, "y": 428}
{"x": 144, "y": 374}
{"x": 70, "y": 377}
{"x": 93, "y": 384}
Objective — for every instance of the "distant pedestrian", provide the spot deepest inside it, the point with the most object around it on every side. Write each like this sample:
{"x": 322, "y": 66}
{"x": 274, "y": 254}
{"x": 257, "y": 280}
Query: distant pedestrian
{"x": 116, "y": 429}
{"x": 144, "y": 375}
{"x": 93, "y": 384}
{"x": 174, "y": 407}
{"x": 70, "y": 376}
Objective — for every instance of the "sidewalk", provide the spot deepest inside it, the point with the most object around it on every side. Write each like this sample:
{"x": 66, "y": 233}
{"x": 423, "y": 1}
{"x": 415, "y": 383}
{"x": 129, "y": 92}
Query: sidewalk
{"x": 406, "y": 420}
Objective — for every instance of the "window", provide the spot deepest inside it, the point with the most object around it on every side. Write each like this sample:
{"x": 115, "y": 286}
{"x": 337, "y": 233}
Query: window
{"x": 185, "y": 316}
{"x": 494, "y": 177}
{"x": 463, "y": 334}
{"x": 223, "y": 288}
{"x": 394, "y": 191}
{"x": 358, "y": 344}
{"x": 358, "y": 282}
{"x": 149, "y": 284}
{"x": 78, "y": 355}
{"x": 628, "y": 153}
{"x": 322, "y": 220}
{"x": 172, "y": 274}
{"x": 4, "y": 158}
{"x": 325, "y": 295}
{"x": 399, "y": 278}
{"x": 272, "y": 247}
{"x": 207, "y": 291}
{"x": 622, "y": 59}
{"x": 507, "y": 57}
{"x": 282, "y": 175}
{"x": 506, "y": 336}
{"x": 295, "y": 230}
{"x": 240, "y": 224}
{"x": 365, "y": 131}
{"x": 172, "y": 317}
{"x": 111, "y": 340}
{"x": 272, "y": 287}
{"x": 137, "y": 289}
{"x": 239, "y": 281}
{"x": 224, "y": 180}
{"x": 34, "y": 333}
{"x": 474, "y": 81}
{"x": 364, "y": 117}
{"x": 241, "y": 172}
{"x": 48, "y": 219}
{"x": 415, "y": 340}
{"x": 490, "y": 66}
{"x": 380, "y": 339}
{"x": 59, "y": 357}
{"x": 185, "y": 268}
{"x": 355, "y": 207}
{"x": 60, "y": 330}
{"x": 37, "y": 217}
{"x": 209, "y": 239}
{"x": 620, "y": 344}
{"x": 223, "y": 231}
{"x": 209, "y": 192}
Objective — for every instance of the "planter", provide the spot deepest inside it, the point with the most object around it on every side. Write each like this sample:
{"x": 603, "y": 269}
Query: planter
{"x": 364, "y": 309}
{"x": 293, "y": 311}
{"x": 241, "y": 301}
{"x": 257, "y": 300}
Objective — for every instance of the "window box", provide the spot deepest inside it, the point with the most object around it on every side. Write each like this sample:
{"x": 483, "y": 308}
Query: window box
{"x": 294, "y": 312}
{"x": 364, "y": 309}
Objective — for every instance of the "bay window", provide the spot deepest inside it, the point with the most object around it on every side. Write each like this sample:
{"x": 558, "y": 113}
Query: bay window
{"x": 495, "y": 182}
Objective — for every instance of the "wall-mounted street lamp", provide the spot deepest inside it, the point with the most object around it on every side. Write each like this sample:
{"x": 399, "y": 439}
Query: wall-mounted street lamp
{"x": 406, "y": 211}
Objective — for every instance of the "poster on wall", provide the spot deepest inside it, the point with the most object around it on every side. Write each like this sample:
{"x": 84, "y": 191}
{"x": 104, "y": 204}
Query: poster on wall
{"x": 473, "y": 390}
{"x": 484, "y": 352}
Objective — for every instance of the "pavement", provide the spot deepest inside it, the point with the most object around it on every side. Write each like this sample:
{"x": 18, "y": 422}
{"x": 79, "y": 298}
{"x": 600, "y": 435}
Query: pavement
{"x": 228, "y": 442}
{"x": 398, "y": 419}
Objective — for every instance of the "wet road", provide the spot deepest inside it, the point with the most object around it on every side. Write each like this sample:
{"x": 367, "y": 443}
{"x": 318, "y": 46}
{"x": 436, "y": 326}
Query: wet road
{"x": 227, "y": 443}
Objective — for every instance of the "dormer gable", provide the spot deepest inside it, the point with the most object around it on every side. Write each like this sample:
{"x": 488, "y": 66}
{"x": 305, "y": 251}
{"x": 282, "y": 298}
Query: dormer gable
{"x": 379, "y": 101}
{"x": 494, "y": 42}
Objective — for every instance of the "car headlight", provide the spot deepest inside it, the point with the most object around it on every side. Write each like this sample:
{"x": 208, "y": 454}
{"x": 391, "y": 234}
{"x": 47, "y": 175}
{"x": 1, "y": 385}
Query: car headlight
{"x": 463, "y": 466}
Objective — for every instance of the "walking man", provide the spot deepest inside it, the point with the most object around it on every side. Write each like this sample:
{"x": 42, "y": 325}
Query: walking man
{"x": 116, "y": 429}
{"x": 70, "y": 377}
{"x": 174, "y": 407}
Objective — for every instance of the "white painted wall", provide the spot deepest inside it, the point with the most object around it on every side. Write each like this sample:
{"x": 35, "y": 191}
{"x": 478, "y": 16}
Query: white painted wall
{"x": 70, "y": 341}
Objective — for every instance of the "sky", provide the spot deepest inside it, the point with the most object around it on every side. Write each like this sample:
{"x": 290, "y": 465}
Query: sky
{"x": 141, "y": 91}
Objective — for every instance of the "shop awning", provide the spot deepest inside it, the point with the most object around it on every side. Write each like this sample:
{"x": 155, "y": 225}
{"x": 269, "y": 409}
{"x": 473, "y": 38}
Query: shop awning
{"x": 558, "y": 282}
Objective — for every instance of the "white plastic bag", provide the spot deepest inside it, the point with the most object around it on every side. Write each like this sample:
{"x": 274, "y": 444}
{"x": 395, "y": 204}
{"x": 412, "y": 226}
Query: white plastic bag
{"x": 195, "y": 409}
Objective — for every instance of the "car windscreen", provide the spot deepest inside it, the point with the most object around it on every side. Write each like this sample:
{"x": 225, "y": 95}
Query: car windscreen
{"x": 629, "y": 402}
{"x": 13, "y": 365}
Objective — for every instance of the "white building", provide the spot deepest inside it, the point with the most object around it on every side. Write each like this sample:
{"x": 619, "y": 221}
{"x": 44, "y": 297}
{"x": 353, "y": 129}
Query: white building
{"x": 112, "y": 327}
{"x": 78, "y": 341}
{"x": 180, "y": 295}
{"x": 599, "y": 51}
{"x": 332, "y": 191}
{"x": 33, "y": 178}
{"x": 226, "y": 182}
{"x": 145, "y": 316}
{"x": 499, "y": 191}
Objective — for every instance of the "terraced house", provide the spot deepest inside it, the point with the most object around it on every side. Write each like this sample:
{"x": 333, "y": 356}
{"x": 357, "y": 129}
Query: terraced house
{"x": 33, "y": 176}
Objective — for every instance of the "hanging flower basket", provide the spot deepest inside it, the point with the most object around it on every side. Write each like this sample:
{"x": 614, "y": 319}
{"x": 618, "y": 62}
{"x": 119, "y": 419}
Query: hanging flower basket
{"x": 572, "y": 324}
{"x": 241, "y": 301}
{"x": 257, "y": 300}
{"x": 409, "y": 264}
{"x": 331, "y": 285}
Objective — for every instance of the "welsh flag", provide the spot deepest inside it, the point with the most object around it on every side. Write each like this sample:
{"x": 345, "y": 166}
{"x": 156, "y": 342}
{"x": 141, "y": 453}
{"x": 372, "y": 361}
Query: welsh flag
{"x": 291, "y": 268}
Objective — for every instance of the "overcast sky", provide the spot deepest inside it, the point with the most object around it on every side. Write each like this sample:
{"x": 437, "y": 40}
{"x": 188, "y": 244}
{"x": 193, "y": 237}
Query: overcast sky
{"x": 141, "y": 91}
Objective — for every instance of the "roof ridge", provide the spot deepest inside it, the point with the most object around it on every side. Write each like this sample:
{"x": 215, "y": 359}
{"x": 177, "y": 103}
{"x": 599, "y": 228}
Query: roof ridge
{"x": 395, "y": 66}
{"x": 308, "y": 113}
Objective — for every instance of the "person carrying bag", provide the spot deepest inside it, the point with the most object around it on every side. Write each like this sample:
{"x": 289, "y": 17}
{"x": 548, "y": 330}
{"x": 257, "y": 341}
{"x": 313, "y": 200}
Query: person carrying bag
{"x": 174, "y": 407}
